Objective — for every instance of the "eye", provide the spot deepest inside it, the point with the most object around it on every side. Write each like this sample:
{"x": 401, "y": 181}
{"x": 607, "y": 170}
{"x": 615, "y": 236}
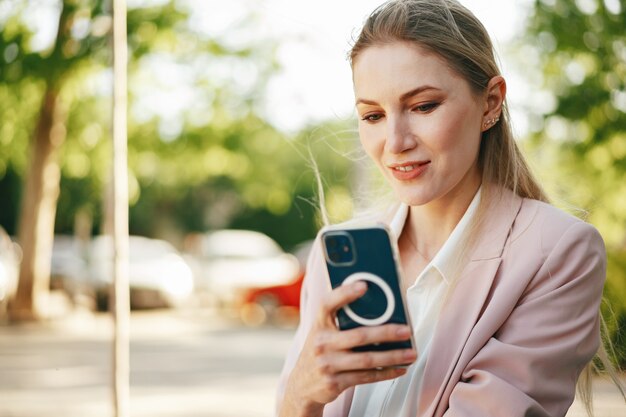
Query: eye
{"x": 372, "y": 117}
{"x": 426, "y": 107}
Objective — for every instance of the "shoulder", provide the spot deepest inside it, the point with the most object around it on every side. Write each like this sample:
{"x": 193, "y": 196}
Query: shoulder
{"x": 549, "y": 248}
{"x": 545, "y": 227}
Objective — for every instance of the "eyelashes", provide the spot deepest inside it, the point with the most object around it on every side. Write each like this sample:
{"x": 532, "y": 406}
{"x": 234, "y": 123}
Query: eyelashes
{"x": 426, "y": 108}
{"x": 421, "y": 108}
{"x": 372, "y": 117}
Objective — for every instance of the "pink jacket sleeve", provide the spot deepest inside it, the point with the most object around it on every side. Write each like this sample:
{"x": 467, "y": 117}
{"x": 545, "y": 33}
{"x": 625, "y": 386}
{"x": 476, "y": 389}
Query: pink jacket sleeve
{"x": 529, "y": 367}
{"x": 308, "y": 310}
{"x": 315, "y": 287}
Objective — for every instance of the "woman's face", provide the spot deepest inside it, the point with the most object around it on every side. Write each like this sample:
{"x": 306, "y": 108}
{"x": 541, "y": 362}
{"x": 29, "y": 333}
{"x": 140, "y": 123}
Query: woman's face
{"x": 419, "y": 122}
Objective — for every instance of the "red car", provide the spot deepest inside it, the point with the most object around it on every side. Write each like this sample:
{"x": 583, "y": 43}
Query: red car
{"x": 279, "y": 304}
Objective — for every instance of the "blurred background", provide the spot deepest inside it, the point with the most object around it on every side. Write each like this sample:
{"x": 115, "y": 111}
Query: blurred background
{"x": 230, "y": 107}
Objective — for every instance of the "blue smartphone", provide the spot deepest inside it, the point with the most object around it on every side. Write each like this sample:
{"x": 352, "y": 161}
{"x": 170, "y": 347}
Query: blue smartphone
{"x": 367, "y": 254}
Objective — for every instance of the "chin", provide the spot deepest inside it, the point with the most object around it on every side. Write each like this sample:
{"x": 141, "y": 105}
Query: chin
{"x": 411, "y": 197}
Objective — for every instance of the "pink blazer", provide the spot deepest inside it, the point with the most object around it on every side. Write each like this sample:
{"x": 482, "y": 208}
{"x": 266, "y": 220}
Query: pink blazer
{"x": 519, "y": 325}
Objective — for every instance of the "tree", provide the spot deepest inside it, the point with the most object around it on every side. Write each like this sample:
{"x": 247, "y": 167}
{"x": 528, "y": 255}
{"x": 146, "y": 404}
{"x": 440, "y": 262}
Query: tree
{"x": 211, "y": 162}
{"x": 38, "y": 207}
{"x": 580, "y": 133}
{"x": 79, "y": 50}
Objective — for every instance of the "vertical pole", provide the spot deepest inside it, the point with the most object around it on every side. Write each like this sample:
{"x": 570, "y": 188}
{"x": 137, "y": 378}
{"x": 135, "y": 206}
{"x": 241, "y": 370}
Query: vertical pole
{"x": 120, "y": 299}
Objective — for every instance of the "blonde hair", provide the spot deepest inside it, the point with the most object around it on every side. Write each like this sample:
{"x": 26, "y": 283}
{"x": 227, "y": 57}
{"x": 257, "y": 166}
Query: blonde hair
{"x": 451, "y": 31}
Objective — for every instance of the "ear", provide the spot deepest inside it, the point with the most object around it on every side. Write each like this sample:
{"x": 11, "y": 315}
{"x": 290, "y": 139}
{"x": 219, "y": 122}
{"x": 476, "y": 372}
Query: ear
{"x": 494, "y": 98}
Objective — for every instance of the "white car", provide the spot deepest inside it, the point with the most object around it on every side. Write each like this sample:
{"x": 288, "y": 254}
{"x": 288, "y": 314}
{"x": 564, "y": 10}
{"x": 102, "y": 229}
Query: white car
{"x": 230, "y": 262}
{"x": 158, "y": 275}
{"x": 10, "y": 259}
{"x": 68, "y": 266}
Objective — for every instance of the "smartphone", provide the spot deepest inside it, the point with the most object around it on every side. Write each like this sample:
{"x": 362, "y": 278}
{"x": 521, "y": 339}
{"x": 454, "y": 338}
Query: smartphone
{"x": 367, "y": 254}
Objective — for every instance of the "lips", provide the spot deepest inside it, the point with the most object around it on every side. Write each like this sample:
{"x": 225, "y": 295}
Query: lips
{"x": 408, "y": 170}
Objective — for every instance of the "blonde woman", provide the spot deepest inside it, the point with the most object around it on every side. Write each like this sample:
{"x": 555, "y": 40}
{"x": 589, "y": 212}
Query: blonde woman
{"x": 503, "y": 289}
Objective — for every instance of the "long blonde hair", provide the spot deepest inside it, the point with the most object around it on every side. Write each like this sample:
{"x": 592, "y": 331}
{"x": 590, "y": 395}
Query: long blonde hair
{"x": 451, "y": 31}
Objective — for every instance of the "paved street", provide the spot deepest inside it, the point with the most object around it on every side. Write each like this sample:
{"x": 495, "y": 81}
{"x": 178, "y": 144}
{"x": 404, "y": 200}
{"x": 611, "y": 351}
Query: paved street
{"x": 184, "y": 364}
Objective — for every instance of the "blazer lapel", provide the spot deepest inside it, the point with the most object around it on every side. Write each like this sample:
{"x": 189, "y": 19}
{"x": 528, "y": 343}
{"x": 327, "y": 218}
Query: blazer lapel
{"x": 463, "y": 306}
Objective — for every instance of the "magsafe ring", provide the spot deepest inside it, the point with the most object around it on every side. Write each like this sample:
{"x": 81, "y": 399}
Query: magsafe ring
{"x": 374, "y": 279}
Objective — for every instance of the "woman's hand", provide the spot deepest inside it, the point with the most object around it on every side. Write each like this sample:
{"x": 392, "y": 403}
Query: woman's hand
{"x": 327, "y": 366}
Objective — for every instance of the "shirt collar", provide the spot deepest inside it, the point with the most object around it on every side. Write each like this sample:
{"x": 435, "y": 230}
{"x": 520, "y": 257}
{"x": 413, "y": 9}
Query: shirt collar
{"x": 449, "y": 252}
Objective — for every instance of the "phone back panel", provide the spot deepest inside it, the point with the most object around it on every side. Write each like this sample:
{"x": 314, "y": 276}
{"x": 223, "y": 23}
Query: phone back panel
{"x": 373, "y": 254}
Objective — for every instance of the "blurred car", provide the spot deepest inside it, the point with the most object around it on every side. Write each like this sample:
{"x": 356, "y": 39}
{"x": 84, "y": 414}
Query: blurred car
{"x": 10, "y": 259}
{"x": 158, "y": 275}
{"x": 68, "y": 266}
{"x": 230, "y": 262}
{"x": 277, "y": 302}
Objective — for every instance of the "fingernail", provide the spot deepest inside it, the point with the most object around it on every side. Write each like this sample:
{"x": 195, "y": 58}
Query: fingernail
{"x": 404, "y": 331}
{"x": 359, "y": 287}
{"x": 410, "y": 354}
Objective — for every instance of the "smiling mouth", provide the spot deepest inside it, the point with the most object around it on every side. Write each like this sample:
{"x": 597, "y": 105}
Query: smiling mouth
{"x": 408, "y": 167}
{"x": 409, "y": 170}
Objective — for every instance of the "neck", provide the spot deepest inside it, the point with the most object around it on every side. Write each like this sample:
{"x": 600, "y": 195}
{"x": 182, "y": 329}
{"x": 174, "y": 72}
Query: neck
{"x": 428, "y": 226}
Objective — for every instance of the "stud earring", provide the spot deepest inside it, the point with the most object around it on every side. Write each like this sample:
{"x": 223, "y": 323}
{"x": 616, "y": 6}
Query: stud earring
{"x": 490, "y": 122}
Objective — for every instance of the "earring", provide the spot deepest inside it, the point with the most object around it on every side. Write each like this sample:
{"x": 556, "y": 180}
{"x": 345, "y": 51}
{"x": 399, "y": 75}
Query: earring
{"x": 490, "y": 122}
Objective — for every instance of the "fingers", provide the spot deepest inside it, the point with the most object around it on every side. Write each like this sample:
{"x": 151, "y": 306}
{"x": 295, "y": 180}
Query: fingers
{"x": 326, "y": 341}
{"x": 332, "y": 349}
{"x": 372, "y": 375}
{"x": 339, "y": 297}
{"x": 339, "y": 382}
{"x": 362, "y": 361}
{"x": 360, "y": 336}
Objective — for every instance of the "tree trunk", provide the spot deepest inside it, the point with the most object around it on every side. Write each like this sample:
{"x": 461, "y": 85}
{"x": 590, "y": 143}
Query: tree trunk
{"x": 38, "y": 210}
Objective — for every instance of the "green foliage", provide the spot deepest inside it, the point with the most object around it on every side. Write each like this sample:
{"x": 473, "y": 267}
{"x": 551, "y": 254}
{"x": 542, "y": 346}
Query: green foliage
{"x": 612, "y": 308}
{"x": 199, "y": 163}
{"x": 19, "y": 104}
{"x": 10, "y": 189}
{"x": 83, "y": 27}
{"x": 246, "y": 176}
{"x": 580, "y": 142}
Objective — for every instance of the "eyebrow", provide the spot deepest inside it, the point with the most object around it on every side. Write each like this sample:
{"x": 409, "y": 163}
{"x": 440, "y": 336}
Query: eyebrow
{"x": 403, "y": 97}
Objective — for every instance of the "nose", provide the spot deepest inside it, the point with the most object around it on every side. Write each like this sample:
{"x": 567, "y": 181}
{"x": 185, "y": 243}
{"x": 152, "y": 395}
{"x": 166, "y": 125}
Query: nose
{"x": 399, "y": 136}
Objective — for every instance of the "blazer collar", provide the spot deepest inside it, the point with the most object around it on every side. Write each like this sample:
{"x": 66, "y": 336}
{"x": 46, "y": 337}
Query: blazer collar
{"x": 497, "y": 220}
{"x": 444, "y": 260}
{"x": 470, "y": 291}
{"x": 466, "y": 299}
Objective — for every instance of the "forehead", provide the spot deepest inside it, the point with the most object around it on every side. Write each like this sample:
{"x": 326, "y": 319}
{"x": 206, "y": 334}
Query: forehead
{"x": 398, "y": 67}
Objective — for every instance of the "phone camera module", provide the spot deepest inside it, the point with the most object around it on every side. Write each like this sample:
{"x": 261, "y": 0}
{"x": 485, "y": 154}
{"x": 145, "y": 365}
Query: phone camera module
{"x": 335, "y": 256}
{"x": 339, "y": 248}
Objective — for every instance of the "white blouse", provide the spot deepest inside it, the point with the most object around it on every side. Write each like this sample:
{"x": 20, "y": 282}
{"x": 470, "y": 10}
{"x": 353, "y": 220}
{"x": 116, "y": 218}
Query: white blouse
{"x": 399, "y": 397}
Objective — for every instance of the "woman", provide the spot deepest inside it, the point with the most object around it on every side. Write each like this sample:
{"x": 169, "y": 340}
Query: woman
{"x": 503, "y": 289}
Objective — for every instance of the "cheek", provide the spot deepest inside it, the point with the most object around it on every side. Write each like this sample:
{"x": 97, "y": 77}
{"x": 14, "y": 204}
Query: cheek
{"x": 371, "y": 143}
{"x": 440, "y": 138}
{"x": 459, "y": 136}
